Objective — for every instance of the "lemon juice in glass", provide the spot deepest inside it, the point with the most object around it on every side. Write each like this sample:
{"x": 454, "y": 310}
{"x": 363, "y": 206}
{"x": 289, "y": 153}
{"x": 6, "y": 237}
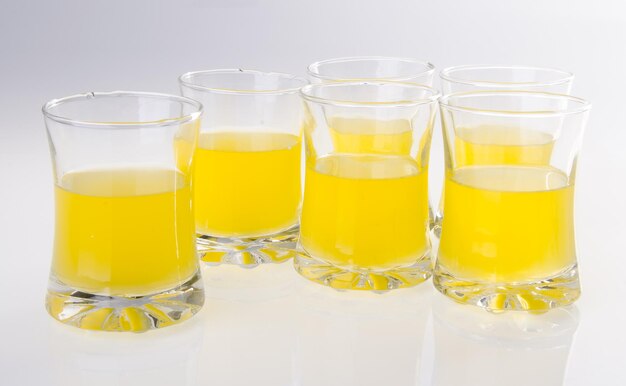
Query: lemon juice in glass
{"x": 247, "y": 185}
{"x": 124, "y": 251}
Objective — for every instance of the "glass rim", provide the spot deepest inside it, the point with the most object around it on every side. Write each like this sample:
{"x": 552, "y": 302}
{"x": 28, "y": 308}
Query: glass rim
{"x": 46, "y": 109}
{"x": 430, "y": 68}
{"x": 584, "y": 105}
{"x": 446, "y": 74}
{"x": 184, "y": 81}
{"x": 305, "y": 93}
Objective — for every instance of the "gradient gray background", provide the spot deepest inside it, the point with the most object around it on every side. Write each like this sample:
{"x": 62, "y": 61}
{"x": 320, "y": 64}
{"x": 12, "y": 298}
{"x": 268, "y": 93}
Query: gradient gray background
{"x": 50, "y": 49}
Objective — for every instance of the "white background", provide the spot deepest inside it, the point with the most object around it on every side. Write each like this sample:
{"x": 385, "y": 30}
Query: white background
{"x": 268, "y": 326}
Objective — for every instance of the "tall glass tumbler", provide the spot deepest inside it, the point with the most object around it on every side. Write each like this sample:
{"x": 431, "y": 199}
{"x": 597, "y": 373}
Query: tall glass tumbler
{"x": 507, "y": 237}
{"x": 247, "y": 177}
{"x": 362, "y": 68}
{"x": 365, "y": 214}
{"x": 467, "y": 78}
{"x": 124, "y": 255}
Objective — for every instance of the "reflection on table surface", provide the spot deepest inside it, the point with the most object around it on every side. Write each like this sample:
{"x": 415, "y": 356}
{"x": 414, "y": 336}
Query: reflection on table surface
{"x": 80, "y": 358}
{"x": 475, "y": 347}
{"x": 346, "y": 338}
{"x": 267, "y": 326}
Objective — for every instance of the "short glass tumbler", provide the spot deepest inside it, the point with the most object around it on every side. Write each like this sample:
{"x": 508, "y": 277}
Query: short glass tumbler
{"x": 370, "y": 68}
{"x": 507, "y": 237}
{"x": 124, "y": 255}
{"x": 365, "y": 215}
{"x": 247, "y": 167}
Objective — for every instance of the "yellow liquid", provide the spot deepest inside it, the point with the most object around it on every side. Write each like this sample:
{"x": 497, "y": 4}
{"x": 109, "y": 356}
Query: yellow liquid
{"x": 369, "y": 136}
{"x": 368, "y": 212}
{"x": 507, "y": 223}
{"x": 123, "y": 232}
{"x": 246, "y": 184}
{"x": 494, "y": 145}
{"x": 485, "y": 145}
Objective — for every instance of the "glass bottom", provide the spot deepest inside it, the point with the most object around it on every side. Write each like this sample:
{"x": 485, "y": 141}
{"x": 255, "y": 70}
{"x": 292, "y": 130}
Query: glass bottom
{"x": 118, "y": 313}
{"x": 539, "y": 295}
{"x": 377, "y": 281}
{"x": 248, "y": 252}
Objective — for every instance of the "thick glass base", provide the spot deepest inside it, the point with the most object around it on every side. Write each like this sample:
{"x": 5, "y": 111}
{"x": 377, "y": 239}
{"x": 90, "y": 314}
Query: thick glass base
{"x": 540, "y": 295}
{"x": 248, "y": 252}
{"x": 346, "y": 279}
{"x": 117, "y": 313}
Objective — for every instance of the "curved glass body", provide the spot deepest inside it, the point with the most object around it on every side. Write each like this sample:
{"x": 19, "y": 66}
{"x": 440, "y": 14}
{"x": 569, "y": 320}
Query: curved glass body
{"x": 124, "y": 250}
{"x": 365, "y": 215}
{"x": 507, "y": 237}
{"x": 247, "y": 173}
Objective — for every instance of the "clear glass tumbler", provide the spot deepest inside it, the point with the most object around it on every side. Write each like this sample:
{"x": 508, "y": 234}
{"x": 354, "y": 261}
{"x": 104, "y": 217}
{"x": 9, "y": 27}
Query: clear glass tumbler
{"x": 507, "y": 237}
{"x": 247, "y": 170}
{"x": 365, "y": 215}
{"x": 494, "y": 77}
{"x": 124, "y": 255}
{"x": 374, "y": 68}
{"x": 362, "y": 68}
{"x": 498, "y": 78}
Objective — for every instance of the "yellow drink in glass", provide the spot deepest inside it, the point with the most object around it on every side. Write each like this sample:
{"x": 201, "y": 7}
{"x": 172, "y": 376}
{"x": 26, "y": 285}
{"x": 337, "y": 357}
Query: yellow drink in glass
{"x": 494, "y": 145}
{"x": 246, "y": 183}
{"x": 485, "y": 145}
{"x": 369, "y": 136}
{"x": 507, "y": 224}
{"x": 123, "y": 231}
{"x": 365, "y": 217}
{"x": 507, "y": 230}
{"x": 365, "y": 212}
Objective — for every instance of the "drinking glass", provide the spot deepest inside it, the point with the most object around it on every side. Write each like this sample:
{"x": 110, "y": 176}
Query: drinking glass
{"x": 493, "y": 77}
{"x": 247, "y": 176}
{"x": 507, "y": 238}
{"x": 362, "y": 68}
{"x": 124, "y": 254}
{"x": 365, "y": 214}
{"x": 374, "y": 68}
